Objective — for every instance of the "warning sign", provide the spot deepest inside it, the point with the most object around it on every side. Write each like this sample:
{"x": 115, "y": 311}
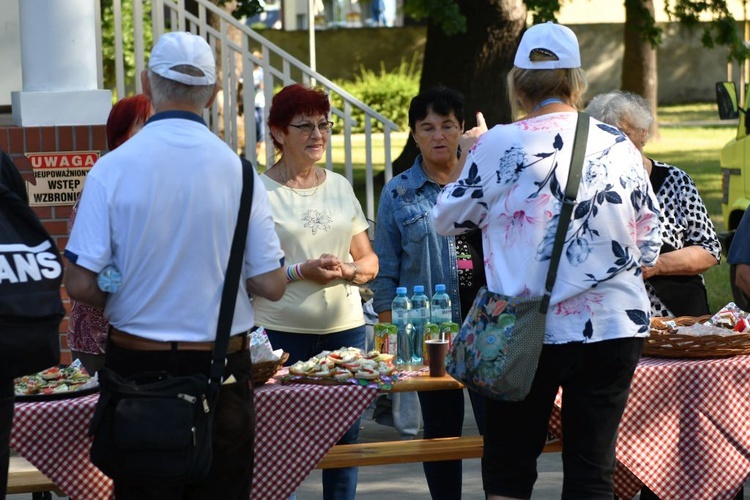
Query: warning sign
{"x": 59, "y": 177}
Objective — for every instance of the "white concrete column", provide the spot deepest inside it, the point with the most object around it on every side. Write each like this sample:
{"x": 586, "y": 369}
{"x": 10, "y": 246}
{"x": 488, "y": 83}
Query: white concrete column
{"x": 10, "y": 50}
{"x": 58, "y": 61}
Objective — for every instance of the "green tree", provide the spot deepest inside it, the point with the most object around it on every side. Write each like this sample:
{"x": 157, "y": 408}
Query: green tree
{"x": 470, "y": 47}
{"x": 128, "y": 47}
{"x": 471, "y": 44}
{"x": 641, "y": 36}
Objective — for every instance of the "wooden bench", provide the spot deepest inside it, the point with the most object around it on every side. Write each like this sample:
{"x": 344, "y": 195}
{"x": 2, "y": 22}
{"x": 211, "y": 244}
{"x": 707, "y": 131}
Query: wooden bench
{"x": 25, "y": 478}
{"x": 416, "y": 450}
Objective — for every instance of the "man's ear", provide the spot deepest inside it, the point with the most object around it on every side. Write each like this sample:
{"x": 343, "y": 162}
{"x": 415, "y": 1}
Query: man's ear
{"x": 213, "y": 95}
{"x": 146, "y": 84}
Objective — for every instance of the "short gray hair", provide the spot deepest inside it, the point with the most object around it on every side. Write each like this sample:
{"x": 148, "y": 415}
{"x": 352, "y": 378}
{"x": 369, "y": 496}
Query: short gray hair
{"x": 617, "y": 106}
{"x": 166, "y": 90}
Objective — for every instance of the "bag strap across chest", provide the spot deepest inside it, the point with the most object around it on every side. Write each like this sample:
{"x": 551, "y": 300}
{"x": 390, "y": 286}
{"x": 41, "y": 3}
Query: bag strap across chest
{"x": 568, "y": 202}
{"x": 232, "y": 281}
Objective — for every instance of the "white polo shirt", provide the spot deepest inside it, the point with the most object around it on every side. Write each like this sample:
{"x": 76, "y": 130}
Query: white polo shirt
{"x": 163, "y": 208}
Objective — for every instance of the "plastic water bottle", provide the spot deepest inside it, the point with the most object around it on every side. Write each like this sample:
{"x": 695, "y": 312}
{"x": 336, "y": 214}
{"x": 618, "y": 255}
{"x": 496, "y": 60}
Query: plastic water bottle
{"x": 109, "y": 279}
{"x": 401, "y": 317}
{"x": 441, "y": 306}
{"x": 420, "y": 316}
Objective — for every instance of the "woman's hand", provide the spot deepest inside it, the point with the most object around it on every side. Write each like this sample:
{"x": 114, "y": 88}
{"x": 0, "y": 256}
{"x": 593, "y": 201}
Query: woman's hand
{"x": 467, "y": 140}
{"x": 648, "y": 271}
{"x": 323, "y": 270}
{"x": 329, "y": 267}
{"x": 470, "y": 137}
{"x": 687, "y": 261}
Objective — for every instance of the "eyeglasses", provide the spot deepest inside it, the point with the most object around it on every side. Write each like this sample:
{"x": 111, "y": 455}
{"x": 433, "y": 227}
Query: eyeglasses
{"x": 307, "y": 128}
{"x": 445, "y": 129}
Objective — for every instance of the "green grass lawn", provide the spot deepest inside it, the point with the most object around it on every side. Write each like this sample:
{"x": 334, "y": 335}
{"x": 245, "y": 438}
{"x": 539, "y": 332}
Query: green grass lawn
{"x": 675, "y": 115}
{"x": 680, "y": 143}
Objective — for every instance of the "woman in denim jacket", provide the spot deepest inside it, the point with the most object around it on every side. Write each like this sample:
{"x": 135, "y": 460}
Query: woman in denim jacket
{"x": 412, "y": 253}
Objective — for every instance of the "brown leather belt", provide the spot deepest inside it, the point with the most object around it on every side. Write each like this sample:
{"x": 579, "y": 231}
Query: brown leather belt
{"x": 134, "y": 343}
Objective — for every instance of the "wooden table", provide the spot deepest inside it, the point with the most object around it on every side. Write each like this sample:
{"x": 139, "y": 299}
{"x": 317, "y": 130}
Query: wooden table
{"x": 417, "y": 379}
{"x": 411, "y": 379}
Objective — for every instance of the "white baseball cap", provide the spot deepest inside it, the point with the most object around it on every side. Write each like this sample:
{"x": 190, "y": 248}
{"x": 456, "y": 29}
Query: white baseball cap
{"x": 182, "y": 48}
{"x": 552, "y": 40}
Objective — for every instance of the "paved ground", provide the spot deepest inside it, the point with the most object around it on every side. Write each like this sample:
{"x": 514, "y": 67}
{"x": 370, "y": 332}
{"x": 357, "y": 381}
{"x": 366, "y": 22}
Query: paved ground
{"x": 407, "y": 482}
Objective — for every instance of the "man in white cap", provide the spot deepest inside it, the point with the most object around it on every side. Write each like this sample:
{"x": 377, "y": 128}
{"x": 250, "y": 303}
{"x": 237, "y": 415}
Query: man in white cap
{"x": 162, "y": 208}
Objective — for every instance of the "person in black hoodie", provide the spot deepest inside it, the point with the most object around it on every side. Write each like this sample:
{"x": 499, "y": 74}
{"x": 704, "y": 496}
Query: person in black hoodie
{"x": 10, "y": 178}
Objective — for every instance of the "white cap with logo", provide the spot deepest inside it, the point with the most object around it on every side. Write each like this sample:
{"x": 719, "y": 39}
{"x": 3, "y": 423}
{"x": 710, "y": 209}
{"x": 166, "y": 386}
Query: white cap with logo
{"x": 552, "y": 40}
{"x": 182, "y": 48}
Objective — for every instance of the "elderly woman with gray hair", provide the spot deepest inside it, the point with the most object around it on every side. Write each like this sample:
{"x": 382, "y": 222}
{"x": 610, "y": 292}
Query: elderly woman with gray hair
{"x": 675, "y": 285}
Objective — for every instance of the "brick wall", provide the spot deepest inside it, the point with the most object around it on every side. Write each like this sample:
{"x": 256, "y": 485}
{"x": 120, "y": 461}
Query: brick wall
{"x": 17, "y": 141}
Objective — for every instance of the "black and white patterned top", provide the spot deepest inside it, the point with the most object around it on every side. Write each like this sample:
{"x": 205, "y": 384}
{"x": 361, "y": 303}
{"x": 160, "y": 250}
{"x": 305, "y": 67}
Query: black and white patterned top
{"x": 684, "y": 219}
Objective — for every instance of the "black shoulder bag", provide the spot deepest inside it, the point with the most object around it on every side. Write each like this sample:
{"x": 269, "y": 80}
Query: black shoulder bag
{"x": 156, "y": 428}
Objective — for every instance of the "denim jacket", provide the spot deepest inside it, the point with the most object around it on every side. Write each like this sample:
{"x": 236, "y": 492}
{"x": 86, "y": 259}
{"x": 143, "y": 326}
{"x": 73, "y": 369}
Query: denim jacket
{"x": 410, "y": 251}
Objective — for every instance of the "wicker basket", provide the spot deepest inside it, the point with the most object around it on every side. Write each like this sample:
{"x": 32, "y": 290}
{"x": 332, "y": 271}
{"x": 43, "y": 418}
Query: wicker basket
{"x": 665, "y": 342}
{"x": 265, "y": 370}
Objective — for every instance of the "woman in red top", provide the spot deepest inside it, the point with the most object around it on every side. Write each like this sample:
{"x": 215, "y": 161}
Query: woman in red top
{"x": 87, "y": 328}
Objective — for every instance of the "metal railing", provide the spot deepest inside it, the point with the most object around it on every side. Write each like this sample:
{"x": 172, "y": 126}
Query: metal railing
{"x": 233, "y": 43}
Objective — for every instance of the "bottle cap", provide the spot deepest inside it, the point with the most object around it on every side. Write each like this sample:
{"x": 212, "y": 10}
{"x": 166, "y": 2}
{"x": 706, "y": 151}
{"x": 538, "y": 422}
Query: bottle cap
{"x": 401, "y": 290}
{"x": 418, "y": 288}
{"x": 439, "y": 288}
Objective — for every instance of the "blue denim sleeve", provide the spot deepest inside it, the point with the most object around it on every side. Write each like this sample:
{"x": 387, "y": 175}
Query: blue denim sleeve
{"x": 739, "y": 251}
{"x": 387, "y": 246}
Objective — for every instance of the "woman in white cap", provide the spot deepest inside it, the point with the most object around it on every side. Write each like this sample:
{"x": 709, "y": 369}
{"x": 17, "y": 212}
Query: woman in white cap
{"x": 512, "y": 188}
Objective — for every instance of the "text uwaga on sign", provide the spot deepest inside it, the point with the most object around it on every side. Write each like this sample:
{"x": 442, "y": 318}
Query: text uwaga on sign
{"x": 59, "y": 177}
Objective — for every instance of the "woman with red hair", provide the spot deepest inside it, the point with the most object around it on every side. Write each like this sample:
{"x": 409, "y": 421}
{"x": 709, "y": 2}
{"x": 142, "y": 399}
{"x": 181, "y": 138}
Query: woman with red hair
{"x": 323, "y": 233}
{"x": 87, "y": 328}
{"x": 126, "y": 118}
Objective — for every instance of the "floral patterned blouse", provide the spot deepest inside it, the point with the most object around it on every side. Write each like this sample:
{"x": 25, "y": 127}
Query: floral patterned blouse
{"x": 87, "y": 328}
{"x": 512, "y": 187}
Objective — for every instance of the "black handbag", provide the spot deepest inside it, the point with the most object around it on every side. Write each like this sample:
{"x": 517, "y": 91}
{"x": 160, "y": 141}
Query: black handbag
{"x": 156, "y": 428}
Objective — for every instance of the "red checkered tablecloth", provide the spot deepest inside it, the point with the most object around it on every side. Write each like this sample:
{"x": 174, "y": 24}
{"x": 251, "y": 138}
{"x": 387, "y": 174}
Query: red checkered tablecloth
{"x": 53, "y": 437}
{"x": 295, "y": 426}
{"x": 685, "y": 432}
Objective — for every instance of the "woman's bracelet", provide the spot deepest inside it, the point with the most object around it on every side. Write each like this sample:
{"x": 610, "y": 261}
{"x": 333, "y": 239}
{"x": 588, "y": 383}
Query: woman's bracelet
{"x": 356, "y": 270}
{"x": 294, "y": 273}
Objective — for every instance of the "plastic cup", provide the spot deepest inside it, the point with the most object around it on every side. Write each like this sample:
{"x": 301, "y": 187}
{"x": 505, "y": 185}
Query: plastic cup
{"x": 438, "y": 349}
